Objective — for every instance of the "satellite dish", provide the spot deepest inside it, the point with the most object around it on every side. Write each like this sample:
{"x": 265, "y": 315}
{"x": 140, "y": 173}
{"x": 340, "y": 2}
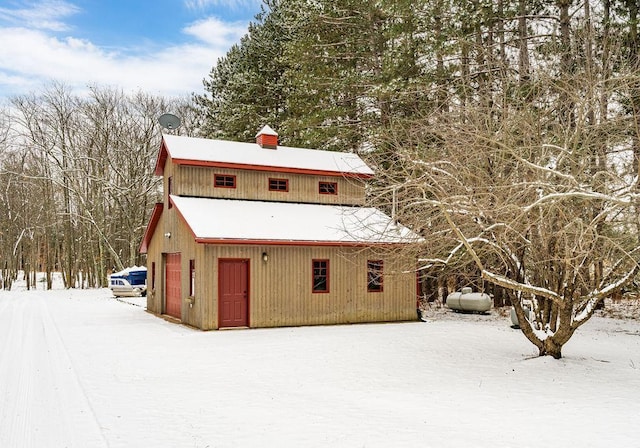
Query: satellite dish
{"x": 169, "y": 121}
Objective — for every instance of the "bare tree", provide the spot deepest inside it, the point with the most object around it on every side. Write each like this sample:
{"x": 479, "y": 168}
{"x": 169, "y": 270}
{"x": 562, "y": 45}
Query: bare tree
{"x": 547, "y": 212}
{"x": 78, "y": 180}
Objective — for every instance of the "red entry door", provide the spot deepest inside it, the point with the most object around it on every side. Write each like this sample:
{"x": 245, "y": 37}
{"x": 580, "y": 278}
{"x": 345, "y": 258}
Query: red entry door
{"x": 173, "y": 294}
{"x": 233, "y": 293}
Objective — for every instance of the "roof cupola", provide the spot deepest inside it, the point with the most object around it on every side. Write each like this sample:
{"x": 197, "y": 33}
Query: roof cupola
{"x": 267, "y": 138}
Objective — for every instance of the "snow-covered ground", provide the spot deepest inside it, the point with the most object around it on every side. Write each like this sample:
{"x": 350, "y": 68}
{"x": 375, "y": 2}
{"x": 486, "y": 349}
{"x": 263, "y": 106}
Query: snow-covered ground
{"x": 79, "y": 368}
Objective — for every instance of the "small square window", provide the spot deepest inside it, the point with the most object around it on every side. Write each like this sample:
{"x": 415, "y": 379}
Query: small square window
{"x": 374, "y": 275}
{"x": 224, "y": 181}
{"x": 278, "y": 184}
{"x": 328, "y": 188}
{"x": 320, "y": 276}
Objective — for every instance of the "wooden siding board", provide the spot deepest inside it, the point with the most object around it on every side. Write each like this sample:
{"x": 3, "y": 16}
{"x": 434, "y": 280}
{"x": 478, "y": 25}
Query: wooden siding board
{"x": 281, "y": 293}
{"x": 181, "y": 241}
{"x": 199, "y": 181}
{"x": 281, "y": 288}
{"x": 153, "y": 255}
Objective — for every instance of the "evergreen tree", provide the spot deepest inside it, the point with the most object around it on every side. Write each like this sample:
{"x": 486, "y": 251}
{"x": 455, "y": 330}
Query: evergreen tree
{"x": 245, "y": 89}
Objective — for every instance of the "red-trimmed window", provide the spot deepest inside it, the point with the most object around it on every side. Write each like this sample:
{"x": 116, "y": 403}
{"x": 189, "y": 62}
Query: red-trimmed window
{"x": 374, "y": 275}
{"x": 278, "y": 184}
{"x": 224, "y": 181}
{"x": 328, "y": 187}
{"x": 153, "y": 275}
{"x": 192, "y": 278}
{"x": 320, "y": 276}
{"x": 169, "y": 185}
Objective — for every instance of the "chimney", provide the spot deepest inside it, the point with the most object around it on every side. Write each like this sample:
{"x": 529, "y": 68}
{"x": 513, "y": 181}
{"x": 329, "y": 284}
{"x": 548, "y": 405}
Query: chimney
{"x": 267, "y": 138}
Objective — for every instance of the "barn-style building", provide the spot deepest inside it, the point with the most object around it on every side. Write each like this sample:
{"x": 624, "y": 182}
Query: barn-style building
{"x": 261, "y": 235}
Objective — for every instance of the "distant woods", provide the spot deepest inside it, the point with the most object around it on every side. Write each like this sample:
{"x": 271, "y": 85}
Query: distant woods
{"x": 77, "y": 181}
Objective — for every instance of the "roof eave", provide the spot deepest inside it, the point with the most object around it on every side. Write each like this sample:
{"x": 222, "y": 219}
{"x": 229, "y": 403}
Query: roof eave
{"x": 163, "y": 154}
{"x": 290, "y": 170}
{"x": 272, "y": 242}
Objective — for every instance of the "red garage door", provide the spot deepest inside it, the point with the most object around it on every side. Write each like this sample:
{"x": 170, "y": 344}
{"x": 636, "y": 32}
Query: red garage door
{"x": 233, "y": 293}
{"x": 173, "y": 295}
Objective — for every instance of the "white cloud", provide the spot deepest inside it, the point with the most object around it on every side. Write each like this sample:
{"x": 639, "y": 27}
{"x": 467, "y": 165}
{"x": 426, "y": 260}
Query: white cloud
{"x": 201, "y": 5}
{"x": 46, "y": 15}
{"x": 31, "y": 58}
{"x": 216, "y": 32}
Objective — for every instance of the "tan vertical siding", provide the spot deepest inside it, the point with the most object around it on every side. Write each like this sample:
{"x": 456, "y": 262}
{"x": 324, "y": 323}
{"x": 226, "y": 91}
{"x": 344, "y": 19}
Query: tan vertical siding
{"x": 181, "y": 240}
{"x": 199, "y": 181}
{"x": 281, "y": 288}
{"x": 154, "y": 251}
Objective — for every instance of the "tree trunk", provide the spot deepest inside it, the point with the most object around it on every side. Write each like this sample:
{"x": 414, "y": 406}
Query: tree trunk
{"x": 523, "y": 48}
{"x": 551, "y": 348}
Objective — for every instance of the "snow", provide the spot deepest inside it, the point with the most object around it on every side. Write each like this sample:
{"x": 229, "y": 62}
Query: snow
{"x": 81, "y": 369}
{"x": 266, "y": 130}
{"x": 251, "y": 154}
{"x": 222, "y": 219}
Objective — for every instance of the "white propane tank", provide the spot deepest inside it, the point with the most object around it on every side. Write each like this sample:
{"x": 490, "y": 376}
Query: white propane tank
{"x": 469, "y": 301}
{"x": 527, "y": 307}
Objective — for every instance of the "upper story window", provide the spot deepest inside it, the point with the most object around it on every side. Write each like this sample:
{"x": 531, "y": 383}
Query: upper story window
{"x": 169, "y": 186}
{"x": 278, "y": 184}
{"x": 224, "y": 181}
{"x": 320, "y": 276}
{"x": 328, "y": 187}
{"x": 374, "y": 275}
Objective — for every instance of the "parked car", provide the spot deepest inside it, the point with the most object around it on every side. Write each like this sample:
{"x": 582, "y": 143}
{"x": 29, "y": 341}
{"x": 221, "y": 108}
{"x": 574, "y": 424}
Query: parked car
{"x": 130, "y": 282}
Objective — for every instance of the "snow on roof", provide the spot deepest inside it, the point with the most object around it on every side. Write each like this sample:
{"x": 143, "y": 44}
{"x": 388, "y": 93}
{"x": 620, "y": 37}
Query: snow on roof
{"x": 252, "y": 155}
{"x": 266, "y": 130}
{"x": 217, "y": 220}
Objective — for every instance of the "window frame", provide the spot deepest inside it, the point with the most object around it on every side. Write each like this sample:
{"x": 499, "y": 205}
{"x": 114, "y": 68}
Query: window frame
{"x": 192, "y": 278}
{"x": 331, "y": 190}
{"x": 279, "y": 180}
{"x": 169, "y": 188}
{"x": 225, "y": 178}
{"x": 375, "y": 275}
{"x": 326, "y": 275}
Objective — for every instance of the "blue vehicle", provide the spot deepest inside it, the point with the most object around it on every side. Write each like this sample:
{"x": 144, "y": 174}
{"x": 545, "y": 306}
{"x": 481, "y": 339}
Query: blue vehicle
{"x": 130, "y": 282}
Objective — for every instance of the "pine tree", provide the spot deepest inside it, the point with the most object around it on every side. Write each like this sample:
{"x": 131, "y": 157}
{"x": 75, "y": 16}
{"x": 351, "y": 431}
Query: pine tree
{"x": 246, "y": 89}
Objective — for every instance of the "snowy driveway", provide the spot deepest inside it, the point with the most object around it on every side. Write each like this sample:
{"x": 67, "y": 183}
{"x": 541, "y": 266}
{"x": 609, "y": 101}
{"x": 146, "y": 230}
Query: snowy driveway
{"x": 79, "y": 369}
{"x": 43, "y": 400}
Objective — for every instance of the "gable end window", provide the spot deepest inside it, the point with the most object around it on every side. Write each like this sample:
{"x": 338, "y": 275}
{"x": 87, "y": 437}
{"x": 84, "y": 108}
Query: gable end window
{"x": 320, "y": 276}
{"x": 224, "y": 181}
{"x": 278, "y": 184}
{"x": 169, "y": 192}
{"x": 328, "y": 187}
{"x": 374, "y": 275}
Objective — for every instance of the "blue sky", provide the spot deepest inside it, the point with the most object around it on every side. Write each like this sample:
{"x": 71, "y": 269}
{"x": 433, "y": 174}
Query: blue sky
{"x": 163, "y": 47}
